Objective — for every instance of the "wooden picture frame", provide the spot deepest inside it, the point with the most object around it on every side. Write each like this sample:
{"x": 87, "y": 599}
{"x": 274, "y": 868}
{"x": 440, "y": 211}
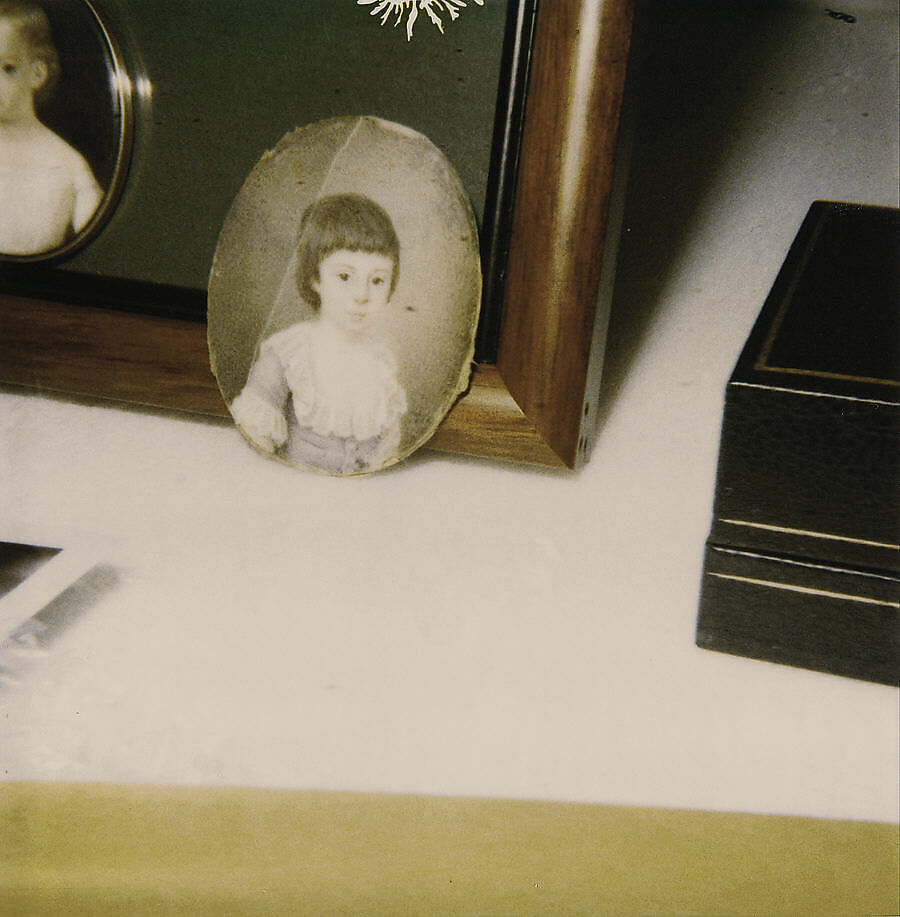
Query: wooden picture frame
{"x": 537, "y": 402}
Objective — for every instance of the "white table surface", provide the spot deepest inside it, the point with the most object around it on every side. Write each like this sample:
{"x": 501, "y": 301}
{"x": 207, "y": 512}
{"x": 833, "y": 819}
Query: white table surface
{"x": 457, "y": 626}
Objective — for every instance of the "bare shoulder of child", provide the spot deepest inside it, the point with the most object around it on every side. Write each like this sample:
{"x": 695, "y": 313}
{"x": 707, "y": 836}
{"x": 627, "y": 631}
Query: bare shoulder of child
{"x": 72, "y": 176}
{"x": 48, "y": 189}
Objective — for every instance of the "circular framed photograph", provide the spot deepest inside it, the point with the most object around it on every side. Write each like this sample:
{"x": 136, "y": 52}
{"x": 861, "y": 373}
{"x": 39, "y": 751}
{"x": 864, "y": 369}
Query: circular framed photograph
{"x": 344, "y": 296}
{"x": 65, "y": 127}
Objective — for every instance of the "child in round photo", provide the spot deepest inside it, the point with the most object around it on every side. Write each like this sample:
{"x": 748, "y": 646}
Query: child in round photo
{"x": 48, "y": 192}
{"x": 324, "y": 393}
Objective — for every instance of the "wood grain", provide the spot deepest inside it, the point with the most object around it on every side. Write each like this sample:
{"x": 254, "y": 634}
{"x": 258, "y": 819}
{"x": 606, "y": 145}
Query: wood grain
{"x": 164, "y": 363}
{"x": 566, "y": 178}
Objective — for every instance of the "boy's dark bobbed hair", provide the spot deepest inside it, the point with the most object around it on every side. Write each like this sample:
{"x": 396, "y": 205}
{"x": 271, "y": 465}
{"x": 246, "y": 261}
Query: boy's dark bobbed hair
{"x": 34, "y": 26}
{"x": 349, "y": 222}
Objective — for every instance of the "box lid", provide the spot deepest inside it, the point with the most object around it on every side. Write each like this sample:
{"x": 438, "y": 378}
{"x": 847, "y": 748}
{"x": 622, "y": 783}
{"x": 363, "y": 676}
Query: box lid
{"x": 831, "y": 323}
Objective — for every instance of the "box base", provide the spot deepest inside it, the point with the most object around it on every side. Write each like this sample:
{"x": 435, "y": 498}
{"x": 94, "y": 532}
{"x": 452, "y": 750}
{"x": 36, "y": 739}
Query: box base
{"x": 801, "y": 613}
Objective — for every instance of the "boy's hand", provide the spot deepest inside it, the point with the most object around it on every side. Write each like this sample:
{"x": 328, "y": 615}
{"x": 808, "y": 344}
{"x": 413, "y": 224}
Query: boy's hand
{"x": 262, "y": 423}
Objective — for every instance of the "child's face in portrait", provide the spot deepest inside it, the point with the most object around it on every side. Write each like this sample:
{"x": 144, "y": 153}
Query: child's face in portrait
{"x": 354, "y": 288}
{"x": 20, "y": 74}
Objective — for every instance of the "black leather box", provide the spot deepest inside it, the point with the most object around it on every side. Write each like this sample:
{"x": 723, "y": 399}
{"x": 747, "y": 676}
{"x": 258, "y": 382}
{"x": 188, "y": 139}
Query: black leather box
{"x": 802, "y": 562}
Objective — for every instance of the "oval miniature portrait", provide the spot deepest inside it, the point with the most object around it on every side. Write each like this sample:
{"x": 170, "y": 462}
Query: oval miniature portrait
{"x": 65, "y": 126}
{"x": 344, "y": 296}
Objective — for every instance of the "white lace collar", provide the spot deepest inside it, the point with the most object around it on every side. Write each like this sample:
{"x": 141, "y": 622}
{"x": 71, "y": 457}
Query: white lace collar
{"x": 340, "y": 387}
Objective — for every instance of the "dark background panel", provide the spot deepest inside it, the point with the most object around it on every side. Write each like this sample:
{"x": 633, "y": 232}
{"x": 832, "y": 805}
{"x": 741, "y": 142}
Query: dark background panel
{"x": 224, "y": 80}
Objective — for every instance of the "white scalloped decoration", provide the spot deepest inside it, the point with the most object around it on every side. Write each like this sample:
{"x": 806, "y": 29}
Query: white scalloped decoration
{"x": 435, "y": 10}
